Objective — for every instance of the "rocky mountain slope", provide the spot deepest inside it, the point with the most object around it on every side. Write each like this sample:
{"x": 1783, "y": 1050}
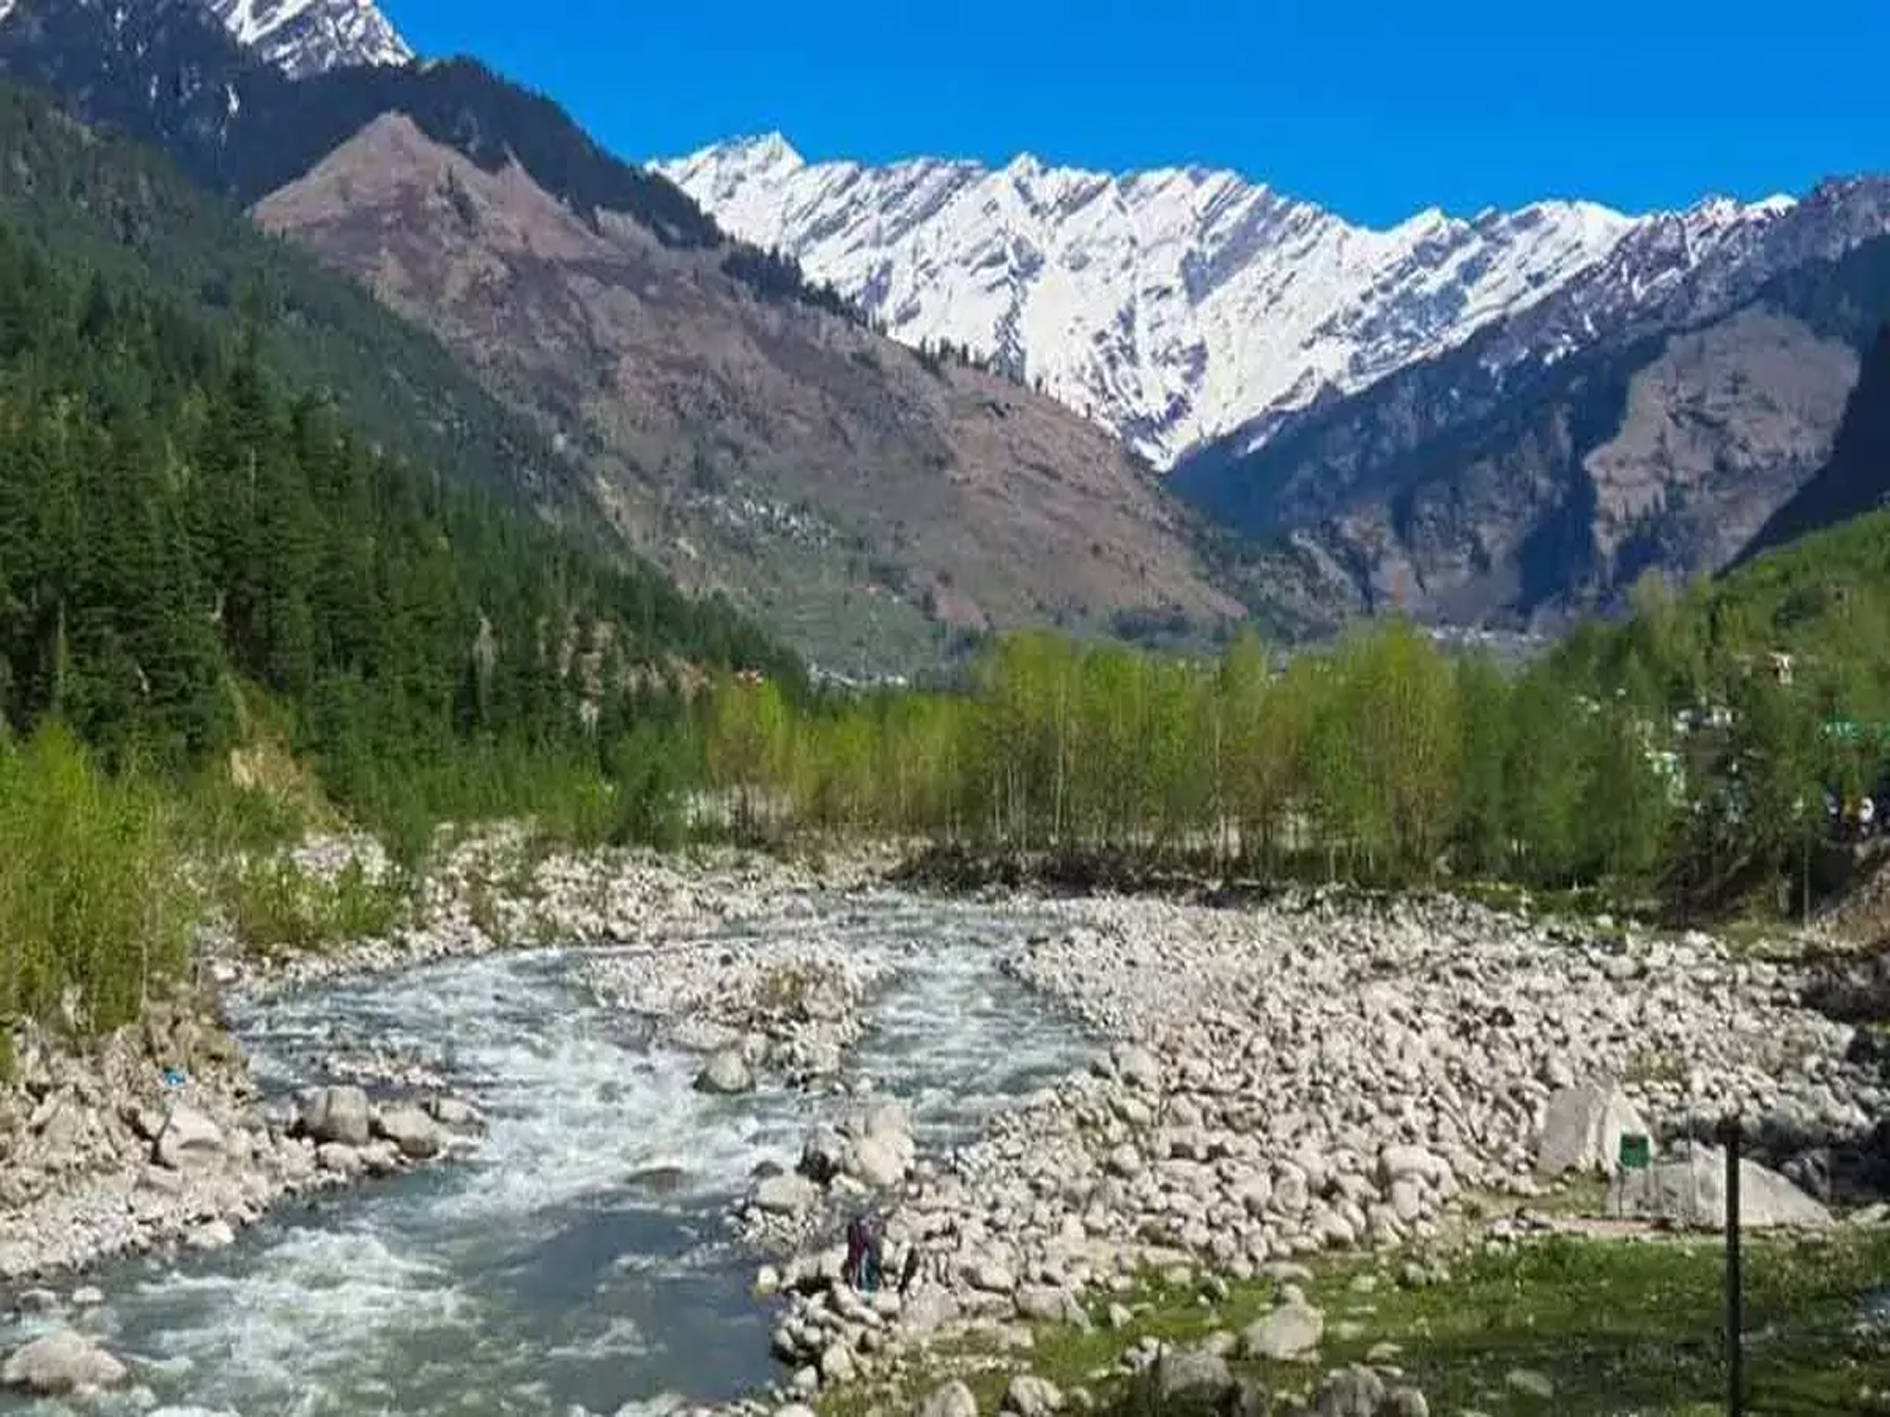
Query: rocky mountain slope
{"x": 986, "y": 503}
{"x": 1182, "y": 305}
{"x": 1499, "y": 486}
{"x": 1857, "y": 478}
{"x": 742, "y": 424}
{"x": 1493, "y": 422}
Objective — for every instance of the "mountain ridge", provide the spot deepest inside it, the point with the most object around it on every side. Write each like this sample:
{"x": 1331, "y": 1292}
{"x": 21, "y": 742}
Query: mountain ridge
{"x": 1484, "y": 492}
{"x": 1175, "y": 305}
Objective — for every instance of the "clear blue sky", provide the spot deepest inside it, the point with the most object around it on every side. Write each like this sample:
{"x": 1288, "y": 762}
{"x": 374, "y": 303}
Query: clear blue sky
{"x": 1376, "y": 108}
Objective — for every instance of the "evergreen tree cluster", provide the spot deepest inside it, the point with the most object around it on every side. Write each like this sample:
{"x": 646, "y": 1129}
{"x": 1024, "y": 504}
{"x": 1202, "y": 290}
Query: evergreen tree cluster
{"x": 777, "y": 276}
{"x": 937, "y": 355}
{"x": 174, "y": 526}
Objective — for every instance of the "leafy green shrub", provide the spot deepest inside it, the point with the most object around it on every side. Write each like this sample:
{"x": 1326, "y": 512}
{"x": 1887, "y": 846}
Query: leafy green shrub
{"x": 652, "y": 773}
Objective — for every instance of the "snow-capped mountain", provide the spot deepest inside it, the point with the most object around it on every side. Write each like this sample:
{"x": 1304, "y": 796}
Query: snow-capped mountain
{"x": 303, "y": 37}
{"x": 299, "y": 37}
{"x": 1174, "y": 305}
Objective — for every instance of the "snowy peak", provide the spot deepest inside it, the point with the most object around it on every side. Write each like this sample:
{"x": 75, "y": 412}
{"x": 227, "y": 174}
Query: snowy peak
{"x": 1172, "y": 305}
{"x": 303, "y": 37}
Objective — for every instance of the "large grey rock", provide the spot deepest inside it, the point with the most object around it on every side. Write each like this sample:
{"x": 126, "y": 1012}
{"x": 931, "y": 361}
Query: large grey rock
{"x": 453, "y": 1112}
{"x": 887, "y": 1118}
{"x": 1196, "y": 1374}
{"x": 336, "y": 1114}
{"x": 1031, "y": 1396}
{"x": 952, "y": 1400}
{"x": 786, "y": 1195}
{"x": 875, "y": 1162}
{"x": 211, "y": 1235}
{"x": 991, "y": 1275}
{"x": 1290, "y": 1331}
{"x": 701, "y": 1035}
{"x": 836, "y": 1363}
{"x": 928, "y": 1311}
{"x": 1139, "y": 1068}
{"x": 1530, "y": 1384}
{"x": 1582, "y": 1129}
{"x": 725, "y": 1073}
{"x": 1693, "y": 1192}
{"x": 1353, "y": 1391}
{"x": 1049, "y": 1303}
{"x": 59, "y": 1363}
{"x": 411, "y": 1130}
{"x": 1399, "y": 1161}
{"x": 1255, "y": 1193}
{"x": 339, "y": 1157}
{"x": 188, "y": 1138}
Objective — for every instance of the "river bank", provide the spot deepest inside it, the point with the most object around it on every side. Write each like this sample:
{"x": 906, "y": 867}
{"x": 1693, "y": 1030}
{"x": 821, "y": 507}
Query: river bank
{"x": 1269, "y": 1086}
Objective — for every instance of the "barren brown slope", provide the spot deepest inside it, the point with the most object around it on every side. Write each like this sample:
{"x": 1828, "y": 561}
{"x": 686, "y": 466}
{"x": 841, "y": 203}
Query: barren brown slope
{"x": 772, "y": 448}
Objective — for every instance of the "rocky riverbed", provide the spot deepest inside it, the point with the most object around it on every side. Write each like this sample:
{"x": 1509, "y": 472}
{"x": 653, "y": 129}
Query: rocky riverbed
{"x": 615, "y": 1098}
{"x": 1319, "y": 1077}
{"x": 720, "y": 1058}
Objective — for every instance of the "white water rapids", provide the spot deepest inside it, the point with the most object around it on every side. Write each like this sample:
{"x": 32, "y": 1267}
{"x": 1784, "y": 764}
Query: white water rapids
{"x": 581, "y": 1261}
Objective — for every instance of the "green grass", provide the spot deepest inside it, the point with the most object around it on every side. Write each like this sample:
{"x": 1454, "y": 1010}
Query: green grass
{"x": 276, "y": 908}
{"x": 95, "y": 912}
{"x": 1616, "y": 1326}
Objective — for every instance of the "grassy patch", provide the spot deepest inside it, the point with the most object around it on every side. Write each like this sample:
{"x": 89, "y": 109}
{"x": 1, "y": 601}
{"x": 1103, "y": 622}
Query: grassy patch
{"x": 1652, "y": 1065}
{"x": 95, "y": 914}
{"x": 1615, "y": 1326}
{"x": 275, "y": 907}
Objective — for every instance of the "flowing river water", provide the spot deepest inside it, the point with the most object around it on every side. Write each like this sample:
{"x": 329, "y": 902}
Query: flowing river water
{"x": 581, "y": 1261}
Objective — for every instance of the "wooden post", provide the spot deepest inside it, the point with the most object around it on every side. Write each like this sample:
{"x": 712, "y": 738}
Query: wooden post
{"x": 1735, "y": 1297}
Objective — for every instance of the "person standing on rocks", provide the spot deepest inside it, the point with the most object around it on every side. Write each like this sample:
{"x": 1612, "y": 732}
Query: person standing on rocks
{"x": 863, "y": 1262}
{"x": 911, "y": 1270}
{"x": 852, "y": 1272}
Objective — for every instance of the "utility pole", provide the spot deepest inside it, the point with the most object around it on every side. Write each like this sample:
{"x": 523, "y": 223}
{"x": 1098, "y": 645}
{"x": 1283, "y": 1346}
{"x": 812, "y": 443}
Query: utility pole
{"x": 1735, "y": 1297}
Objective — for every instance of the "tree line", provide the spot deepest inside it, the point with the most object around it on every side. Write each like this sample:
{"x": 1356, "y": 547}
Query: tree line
{"x": 1672, "y": 759}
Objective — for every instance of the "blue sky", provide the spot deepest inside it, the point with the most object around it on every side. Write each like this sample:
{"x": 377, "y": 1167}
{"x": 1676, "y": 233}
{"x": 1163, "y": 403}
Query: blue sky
{"x": 1377, "y": 108}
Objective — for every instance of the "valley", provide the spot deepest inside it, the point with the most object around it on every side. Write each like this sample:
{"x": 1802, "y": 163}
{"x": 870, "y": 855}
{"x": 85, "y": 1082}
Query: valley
{"x": 1259, "y": 794}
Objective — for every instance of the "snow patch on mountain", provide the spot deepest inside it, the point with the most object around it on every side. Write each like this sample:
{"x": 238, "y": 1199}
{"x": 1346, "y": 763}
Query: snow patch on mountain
{"x": 1171, "y": 305}
{"x": 304, "y": 37}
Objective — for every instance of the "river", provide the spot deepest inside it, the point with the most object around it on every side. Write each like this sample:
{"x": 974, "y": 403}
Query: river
{"x": 581, "y": 1261}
